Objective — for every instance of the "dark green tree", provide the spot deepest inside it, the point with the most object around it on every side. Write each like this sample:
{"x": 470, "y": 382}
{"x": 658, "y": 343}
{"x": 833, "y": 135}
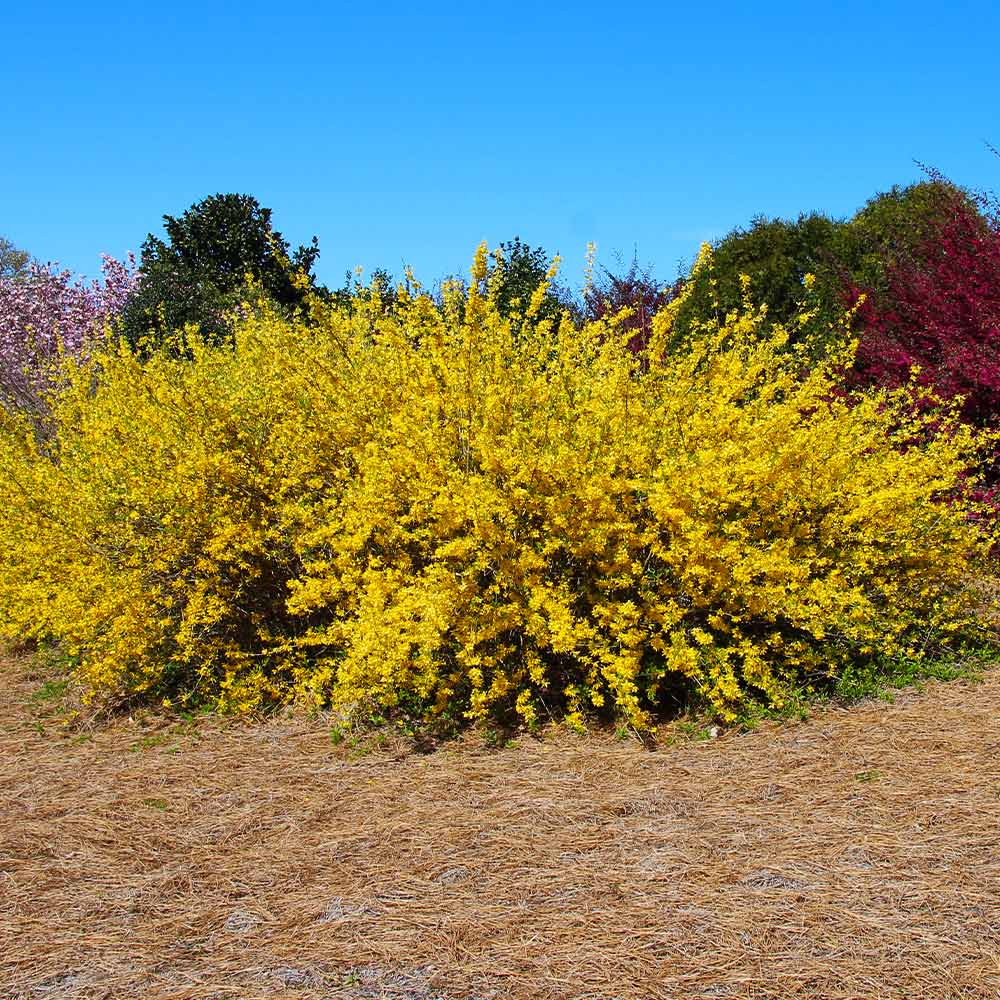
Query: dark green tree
{"x": 843, "y": 254}
{"x": 517, "y": 272}
{"x": 13, "y": 261}
{"x": 213, "y": 256}
{"x": 776, "y": 254}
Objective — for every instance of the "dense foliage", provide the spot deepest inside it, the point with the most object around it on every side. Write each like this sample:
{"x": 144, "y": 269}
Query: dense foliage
{"x": 938, "y": 309}
{"x": 218, "y": 255}
{"x": 844, "y": 256}
{"x": 476, "y": 509}
{"x": 517, "y": 271}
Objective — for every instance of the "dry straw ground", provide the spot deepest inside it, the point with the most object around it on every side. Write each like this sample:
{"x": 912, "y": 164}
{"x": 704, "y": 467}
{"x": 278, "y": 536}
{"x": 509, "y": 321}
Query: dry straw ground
{"x": 855, "y": 855}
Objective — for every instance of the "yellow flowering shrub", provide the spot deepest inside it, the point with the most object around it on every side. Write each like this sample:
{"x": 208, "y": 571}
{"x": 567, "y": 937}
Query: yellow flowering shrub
{"x": 440, "y": 508}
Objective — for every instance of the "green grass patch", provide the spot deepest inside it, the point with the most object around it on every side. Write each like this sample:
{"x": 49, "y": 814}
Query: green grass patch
{"x": 51, "y": 691}
{"x": 867, "y": 777}
{"x": 881, "y": 678}
{"x": 149, "y": 742}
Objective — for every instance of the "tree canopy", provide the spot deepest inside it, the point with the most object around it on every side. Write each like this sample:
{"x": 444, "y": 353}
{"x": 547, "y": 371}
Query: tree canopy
{"x": 213, "y": 256}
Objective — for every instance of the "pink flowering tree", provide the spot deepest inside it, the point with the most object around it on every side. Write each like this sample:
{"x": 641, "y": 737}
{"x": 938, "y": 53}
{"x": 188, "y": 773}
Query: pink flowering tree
{"x": 43, "y": 313}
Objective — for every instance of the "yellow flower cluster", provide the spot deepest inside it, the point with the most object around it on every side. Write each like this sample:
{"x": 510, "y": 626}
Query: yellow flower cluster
{"x": 437, "y": 506}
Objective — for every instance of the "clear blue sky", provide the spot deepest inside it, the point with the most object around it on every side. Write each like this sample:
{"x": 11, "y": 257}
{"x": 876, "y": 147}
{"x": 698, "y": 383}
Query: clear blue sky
{"x": 408, "y": 133}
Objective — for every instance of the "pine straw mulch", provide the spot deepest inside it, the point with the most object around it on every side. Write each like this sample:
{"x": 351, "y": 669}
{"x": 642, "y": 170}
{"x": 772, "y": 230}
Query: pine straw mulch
{"x": 854, "y": 855}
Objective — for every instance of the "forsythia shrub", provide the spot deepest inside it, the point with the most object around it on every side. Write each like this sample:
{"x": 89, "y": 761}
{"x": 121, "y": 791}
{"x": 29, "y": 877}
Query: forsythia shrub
{"x": 452, "y": 511}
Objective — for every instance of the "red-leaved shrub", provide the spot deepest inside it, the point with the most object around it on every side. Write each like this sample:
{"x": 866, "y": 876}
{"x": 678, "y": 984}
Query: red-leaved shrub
{"x": 940, "y": 312}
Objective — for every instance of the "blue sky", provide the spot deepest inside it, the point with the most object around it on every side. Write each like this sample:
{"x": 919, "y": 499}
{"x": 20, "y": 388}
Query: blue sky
{"x": 408, "y": 133}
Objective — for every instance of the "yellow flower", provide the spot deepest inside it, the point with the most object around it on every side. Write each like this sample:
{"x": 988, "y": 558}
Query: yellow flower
{"x": 432, "y": 508}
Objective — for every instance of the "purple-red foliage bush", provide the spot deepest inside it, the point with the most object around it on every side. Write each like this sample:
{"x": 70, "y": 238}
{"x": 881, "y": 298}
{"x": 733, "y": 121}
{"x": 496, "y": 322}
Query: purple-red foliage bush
{"x": 940, "y": 312}
{"x": 635, "y": 289}
{"x": 938, "y": 316}
{"x": 45, "y": 312}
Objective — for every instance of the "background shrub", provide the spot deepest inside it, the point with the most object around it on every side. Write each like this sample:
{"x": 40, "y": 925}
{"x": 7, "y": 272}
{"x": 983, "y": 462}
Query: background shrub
{"x": 221, "y": 253}
{"x": 517, "y": 272}
{"x": 635, "y": 289}
{"x": 937, "y": 307}
{"x": 845, "y": 256}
